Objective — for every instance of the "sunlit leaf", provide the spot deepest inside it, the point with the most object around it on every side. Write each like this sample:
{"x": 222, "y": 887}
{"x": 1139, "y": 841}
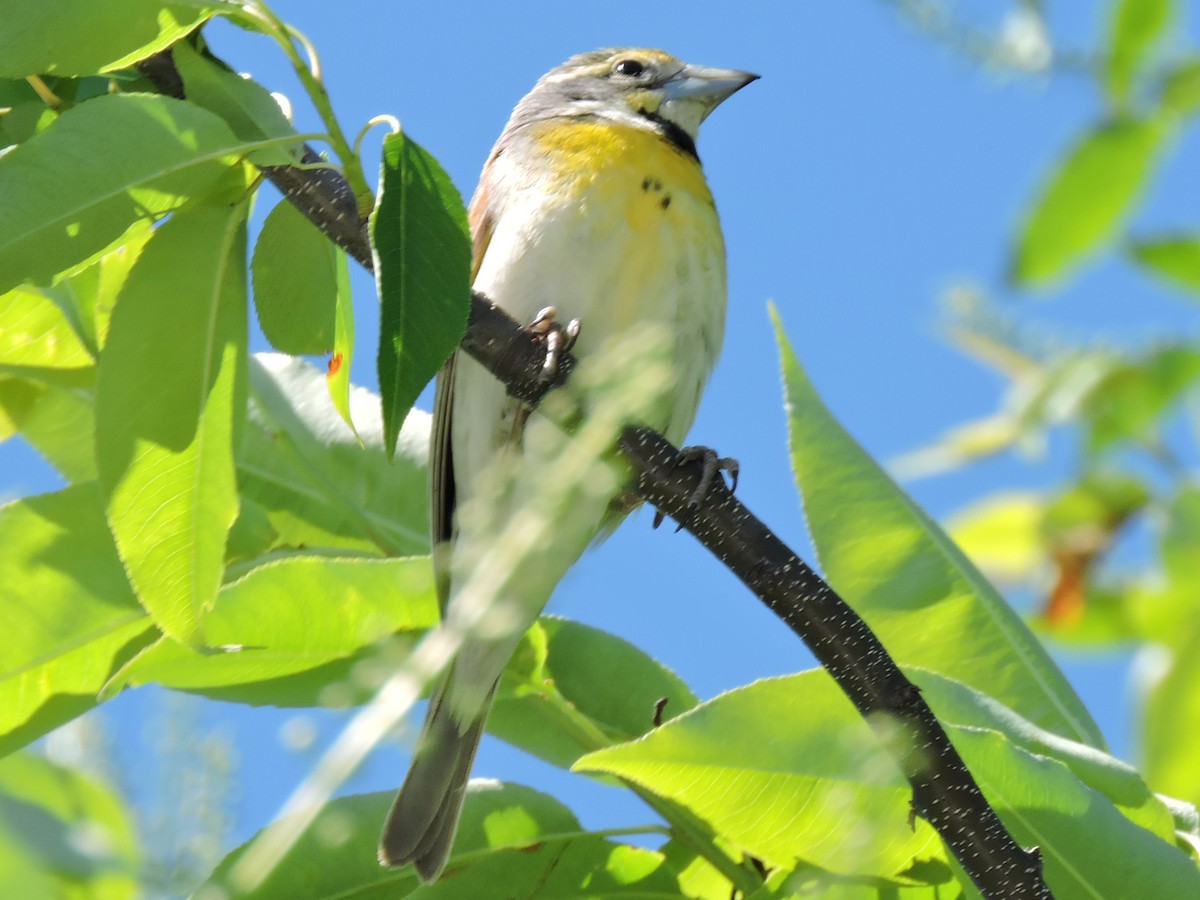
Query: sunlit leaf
{"x": 422, "y": 250}
{"x": 71, "y": 191}
{"x": 914, "y": 587}
{"x": 70, "y": 617}
{"x": 291, "y": 615}
{"x": 1172, "y": 717}
{"x": 1087, "y": 196}
{"x": 170, "y": 399}
{"x": 35, "y": 334}
{"x": 569, "y": 680}
{"x": 246, "y": 106}
{"x": 784, "y": 769}
{"x": 79, "y": 37}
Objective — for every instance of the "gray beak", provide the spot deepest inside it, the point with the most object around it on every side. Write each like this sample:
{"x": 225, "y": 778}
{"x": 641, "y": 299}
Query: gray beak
{"x": 706, "y": 85}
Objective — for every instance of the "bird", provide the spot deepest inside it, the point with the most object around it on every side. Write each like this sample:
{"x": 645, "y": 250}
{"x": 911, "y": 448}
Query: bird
{"x": 593, "y": 200}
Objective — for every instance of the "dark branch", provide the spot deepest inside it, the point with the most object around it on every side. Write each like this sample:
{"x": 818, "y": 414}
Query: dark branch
{"x": 944, "y": 793}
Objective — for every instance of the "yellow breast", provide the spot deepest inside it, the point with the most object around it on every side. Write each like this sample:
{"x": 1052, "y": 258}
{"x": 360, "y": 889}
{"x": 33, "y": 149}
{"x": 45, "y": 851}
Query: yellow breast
{"x": 629, "y": 171}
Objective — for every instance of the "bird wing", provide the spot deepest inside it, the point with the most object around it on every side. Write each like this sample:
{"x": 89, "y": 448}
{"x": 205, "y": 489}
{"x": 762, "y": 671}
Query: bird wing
{"x": 441, "y": 460}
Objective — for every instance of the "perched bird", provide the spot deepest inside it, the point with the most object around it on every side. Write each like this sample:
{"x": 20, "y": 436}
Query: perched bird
{"x": 593, "y": 201}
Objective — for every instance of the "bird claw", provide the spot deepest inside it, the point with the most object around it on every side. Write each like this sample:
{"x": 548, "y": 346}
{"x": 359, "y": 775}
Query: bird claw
{"x": 711, "y": 464}
{"x": 559, "y": 339}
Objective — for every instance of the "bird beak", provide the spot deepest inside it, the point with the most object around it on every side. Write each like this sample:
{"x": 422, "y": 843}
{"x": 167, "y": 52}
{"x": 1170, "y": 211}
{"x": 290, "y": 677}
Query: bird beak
{"x": 706, "y": 85}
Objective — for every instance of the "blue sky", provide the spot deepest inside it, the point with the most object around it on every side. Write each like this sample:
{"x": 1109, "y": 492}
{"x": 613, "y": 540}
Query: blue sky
{"x": 870, "y": 169}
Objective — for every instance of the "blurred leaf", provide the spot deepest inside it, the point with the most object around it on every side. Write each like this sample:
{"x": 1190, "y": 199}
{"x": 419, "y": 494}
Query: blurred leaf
{"x": 1172, "y": 719}
{"x": 69, "y": 614}
{"x": 579, "y": 682}
{"x": 1136, "y": 25}
{"x": 422, "y": 249}
{"x": 246, "y": 106}
{"x": 291, "y": 615}
{"x": 62, "y": 834}
{"x": 914, "y": 587}
{"x": 1001, "y": 535}
{"x": 74, "y": 189}
{"x": 1130, "y": 402}
{"x": 319, "y": 485}
{"x": 169, "y": 403}
{"x": 1181, "y": 89}
{"x": 509, "y": 835}
{"x": 337, "y": 375}
{"x": 295, "y": 282}
{"x": 1181, "y": 541}
{"x": 1086, "y": 198}
{"x": 1174, "y": 259}
{"x": 80, "y": 37}
{"x": 1088, "y": 512}
{"x": 784, "y": 769}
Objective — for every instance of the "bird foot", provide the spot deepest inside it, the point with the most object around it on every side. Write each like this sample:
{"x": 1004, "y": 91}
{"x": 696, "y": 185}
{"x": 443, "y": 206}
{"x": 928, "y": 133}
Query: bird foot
{"x": 711, "y": 464}
{"x": 559, "y": 339}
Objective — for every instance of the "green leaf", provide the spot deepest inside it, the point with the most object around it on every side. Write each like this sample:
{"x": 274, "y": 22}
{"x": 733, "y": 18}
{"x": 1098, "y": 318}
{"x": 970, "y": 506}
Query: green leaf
{"x": 62, "y": 834}
{"x": 1174, "y": 259}
{"x": 1001, "y": 535}
{"x": 319, "y": 485}
{"x": 337, "y": 376}
{"x": 290, "y": 616}
{"x": 1131, "y": 402}
{"x": 571, "y": 688}
{"x": 784, "y": 769}
{"x": 1172, "y": 717}
{"x": 914, "y": 587}
{"x": 1136, "y": 25}
{"x": 70, "y": 617}
{"x": 59, "y": 422}
{"x": 295, "y": 283}
{"x": 1181, "y": 541}
{"x": 247, "y": 107}
{"x": 170, "y": 398}
{"x": 80, "y": 37}
{"x": 422, "y": 250}
{"x": 509, "y": 835}
{"x": 1181, "y": 89}
{"x": 71, "y": 191}
{"x": 1086, "y": 198}
{"x": 35, "y": 333}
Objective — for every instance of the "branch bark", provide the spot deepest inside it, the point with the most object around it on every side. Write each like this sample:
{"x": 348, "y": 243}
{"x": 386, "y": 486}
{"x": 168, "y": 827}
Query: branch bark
{"x": 944, "y": 792}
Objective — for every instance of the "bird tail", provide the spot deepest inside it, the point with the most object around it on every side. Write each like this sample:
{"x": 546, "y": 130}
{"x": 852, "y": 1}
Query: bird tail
{"x": 421, "y": 825}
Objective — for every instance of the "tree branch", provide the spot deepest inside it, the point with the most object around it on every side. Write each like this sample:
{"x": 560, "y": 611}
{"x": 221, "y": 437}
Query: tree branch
{"x": 944, "y": 793}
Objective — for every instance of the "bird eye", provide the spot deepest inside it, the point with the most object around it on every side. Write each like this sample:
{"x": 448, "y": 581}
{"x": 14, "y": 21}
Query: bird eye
{"x": 630, "y": 68}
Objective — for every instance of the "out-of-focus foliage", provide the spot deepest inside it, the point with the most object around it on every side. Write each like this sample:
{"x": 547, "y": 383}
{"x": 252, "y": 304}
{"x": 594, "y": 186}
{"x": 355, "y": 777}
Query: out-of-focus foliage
{"x": 1133, "y": 409}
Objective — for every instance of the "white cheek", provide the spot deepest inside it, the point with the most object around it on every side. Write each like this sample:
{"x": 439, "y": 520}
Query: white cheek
{"x": 685, "y": 112}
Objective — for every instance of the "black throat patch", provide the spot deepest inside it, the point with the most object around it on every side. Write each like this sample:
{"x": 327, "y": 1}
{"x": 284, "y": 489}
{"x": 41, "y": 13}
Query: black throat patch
{"x": 673, "y": 133}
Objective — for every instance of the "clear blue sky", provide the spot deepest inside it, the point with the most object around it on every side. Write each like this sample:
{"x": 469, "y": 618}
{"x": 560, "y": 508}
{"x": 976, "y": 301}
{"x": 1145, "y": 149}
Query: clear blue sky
{"x": 867, "y": 171}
